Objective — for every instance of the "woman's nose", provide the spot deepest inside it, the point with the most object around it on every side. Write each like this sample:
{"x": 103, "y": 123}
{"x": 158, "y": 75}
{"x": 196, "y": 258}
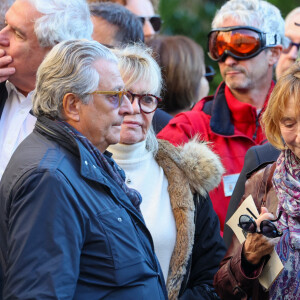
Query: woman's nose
{"x": 135, "y": 106}
{"x": 126, "y": 107}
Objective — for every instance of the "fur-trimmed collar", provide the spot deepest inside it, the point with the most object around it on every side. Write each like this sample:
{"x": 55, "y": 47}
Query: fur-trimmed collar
{"x": 197, "y": 161}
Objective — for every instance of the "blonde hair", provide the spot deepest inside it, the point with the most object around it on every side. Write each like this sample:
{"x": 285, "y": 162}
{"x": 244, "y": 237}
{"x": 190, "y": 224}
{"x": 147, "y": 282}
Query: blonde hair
{"x": 137, "y": 64}
{"x": 286, "y": 88}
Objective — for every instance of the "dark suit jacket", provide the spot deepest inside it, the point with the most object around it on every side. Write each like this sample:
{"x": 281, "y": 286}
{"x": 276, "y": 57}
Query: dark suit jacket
{"x": 255, "y": 157}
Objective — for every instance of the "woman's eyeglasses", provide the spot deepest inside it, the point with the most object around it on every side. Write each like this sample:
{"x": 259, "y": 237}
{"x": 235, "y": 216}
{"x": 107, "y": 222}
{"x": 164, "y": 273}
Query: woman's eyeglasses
{"x": 267, "y": 228}
{"x": 147, "y": 102}
{"x": 155, "y": 21}
{"x": 240, "y": 42}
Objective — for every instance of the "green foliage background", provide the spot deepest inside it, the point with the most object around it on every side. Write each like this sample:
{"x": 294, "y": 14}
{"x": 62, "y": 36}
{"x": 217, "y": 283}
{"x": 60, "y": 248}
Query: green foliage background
{"x": 193, "y": 19}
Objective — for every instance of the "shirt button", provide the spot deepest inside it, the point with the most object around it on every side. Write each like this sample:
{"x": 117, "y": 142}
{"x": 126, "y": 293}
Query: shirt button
{"x": 86, "y": 162}
{"x": 120, "y": 220}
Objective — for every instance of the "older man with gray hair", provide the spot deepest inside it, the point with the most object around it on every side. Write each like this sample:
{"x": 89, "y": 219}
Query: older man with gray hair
{"x": 32, "y": 28}
{"x": 70, "y": 228}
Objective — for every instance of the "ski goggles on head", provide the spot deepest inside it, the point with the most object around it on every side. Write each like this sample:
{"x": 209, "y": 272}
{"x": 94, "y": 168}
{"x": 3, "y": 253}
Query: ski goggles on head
{"x": 240, "y": 42}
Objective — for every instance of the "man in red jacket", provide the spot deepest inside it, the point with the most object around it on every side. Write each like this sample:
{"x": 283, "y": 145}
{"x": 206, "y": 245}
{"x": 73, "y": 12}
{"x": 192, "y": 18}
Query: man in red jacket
{"x": 246, "y": 40}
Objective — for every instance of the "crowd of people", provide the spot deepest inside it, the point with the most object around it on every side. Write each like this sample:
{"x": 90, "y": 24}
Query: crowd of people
{"x": 118, "y": 172}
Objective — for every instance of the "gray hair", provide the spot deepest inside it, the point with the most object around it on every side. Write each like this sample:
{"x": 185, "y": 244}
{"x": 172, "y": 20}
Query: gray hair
{"x": 4, "y": 6}
{"x": 137, "y": 64}
{"x": 256, "y": 13}
{"x": 68, "y": 68}
{"x": 130, "y": 28}
{"x": 62, "y": 20}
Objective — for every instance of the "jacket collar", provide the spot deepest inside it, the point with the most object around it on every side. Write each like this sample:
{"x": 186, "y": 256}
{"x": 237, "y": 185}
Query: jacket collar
{"x": 220, "y": 117}
{"x": 88, "y": 167}
{"x": 225, "y": 114}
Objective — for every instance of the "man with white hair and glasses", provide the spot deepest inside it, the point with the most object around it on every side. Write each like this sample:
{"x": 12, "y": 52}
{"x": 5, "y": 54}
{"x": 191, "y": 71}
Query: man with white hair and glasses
{"x": 70, "y": 228}
{"x": 246, "y": 41}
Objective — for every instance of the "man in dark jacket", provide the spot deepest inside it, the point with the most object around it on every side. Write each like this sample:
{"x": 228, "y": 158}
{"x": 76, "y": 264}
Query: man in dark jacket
{"x": 246, "y": 40}
{"x": 70, "y": 228}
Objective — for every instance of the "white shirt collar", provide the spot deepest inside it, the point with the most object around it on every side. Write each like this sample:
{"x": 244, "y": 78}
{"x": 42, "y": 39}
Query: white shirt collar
{"x": 12, "y": 90}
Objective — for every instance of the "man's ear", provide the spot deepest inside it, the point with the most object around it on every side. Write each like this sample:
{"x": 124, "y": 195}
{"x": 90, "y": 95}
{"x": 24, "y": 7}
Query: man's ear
{"x": 71, "y": 107}
{"x": 274, "y": 54}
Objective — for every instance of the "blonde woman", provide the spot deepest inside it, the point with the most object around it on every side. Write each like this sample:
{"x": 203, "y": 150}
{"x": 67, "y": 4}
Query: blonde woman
{"x": 174, "y": 184}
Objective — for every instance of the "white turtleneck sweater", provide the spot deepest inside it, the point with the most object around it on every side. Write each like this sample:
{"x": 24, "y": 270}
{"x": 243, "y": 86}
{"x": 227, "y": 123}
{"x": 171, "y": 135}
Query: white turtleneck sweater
{"x": 145, "y": 175}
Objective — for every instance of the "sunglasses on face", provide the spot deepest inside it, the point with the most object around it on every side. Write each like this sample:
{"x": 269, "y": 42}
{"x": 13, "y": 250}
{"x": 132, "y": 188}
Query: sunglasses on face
{"x": 209, "y": 73}
{"x": 147, "y": 102}
{"x": 267, "y": 228}
{"x": 155, "y": 21}
{"x": 290, "y": 46}
{"x": 240, "y": 42}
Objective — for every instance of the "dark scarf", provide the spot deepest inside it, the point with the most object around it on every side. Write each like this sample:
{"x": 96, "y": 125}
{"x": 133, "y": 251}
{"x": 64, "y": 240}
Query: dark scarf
{"x": 102, "y": 162}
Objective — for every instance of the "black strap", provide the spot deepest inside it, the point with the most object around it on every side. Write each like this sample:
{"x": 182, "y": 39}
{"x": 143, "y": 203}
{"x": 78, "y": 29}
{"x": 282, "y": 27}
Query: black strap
{"x": 3, "y": 96}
